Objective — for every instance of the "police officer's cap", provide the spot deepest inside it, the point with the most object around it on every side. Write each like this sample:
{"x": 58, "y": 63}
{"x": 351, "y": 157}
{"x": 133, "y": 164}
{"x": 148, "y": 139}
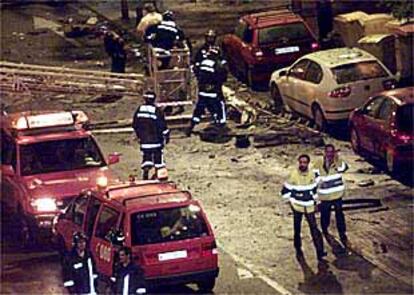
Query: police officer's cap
{"x": 168, "y": 15}
{"x": 149, "y": 96}
{"x": 79, "y": 236}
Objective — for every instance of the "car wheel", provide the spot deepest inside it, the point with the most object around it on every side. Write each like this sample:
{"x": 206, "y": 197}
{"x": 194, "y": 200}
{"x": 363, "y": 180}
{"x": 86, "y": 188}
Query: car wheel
{"x": 318, "y": 118}
{"x": 277, "y": 99}
{"x": 355, "y": 143}
{"x": 206, "y": 285}
{"x": 248, "y": 77}
{"x": 26, "y": 237}
{"x": 390, "y": 162}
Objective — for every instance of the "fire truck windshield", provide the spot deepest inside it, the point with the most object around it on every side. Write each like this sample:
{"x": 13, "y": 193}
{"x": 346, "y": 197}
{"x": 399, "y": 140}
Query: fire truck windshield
{"x": 59, "y": 155}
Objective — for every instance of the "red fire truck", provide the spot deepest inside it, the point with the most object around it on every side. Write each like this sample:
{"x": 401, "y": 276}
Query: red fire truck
{"x": 47, "y": 158}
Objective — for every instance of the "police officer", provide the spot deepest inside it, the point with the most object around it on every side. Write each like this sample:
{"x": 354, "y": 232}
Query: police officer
{"x": 128, "y": 277}
{"x": 300, "y": 190}
{"x": 164, "y": 37}
{"x": 331, "y": 189}
{"x": 211, "y": 73}
{"x": 79, "y": 272}
{"x": 151, "y": 129}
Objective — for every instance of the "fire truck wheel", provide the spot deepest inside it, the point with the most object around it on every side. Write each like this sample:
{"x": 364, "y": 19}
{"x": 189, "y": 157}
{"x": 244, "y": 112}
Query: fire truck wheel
{"x": 206, "y": 286}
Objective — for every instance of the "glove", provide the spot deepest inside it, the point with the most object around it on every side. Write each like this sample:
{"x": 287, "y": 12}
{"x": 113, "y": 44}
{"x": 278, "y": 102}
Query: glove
{"x": 167, "y": 139}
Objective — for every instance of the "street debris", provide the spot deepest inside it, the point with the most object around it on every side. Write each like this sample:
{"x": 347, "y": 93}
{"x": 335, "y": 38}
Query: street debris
{"x": 366, "y": 183}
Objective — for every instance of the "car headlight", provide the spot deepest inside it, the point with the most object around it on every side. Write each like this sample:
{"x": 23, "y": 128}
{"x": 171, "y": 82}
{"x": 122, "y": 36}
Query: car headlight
{"x": 44, "y": 204}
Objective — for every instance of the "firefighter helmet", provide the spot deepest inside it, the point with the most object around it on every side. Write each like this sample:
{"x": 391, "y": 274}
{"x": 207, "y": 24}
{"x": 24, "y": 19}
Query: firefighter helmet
{"x": 168, "y": 15}
{"x": 210, "y": 36}
{"x": 149, "y": 96}
{"x": 79, "y": 236}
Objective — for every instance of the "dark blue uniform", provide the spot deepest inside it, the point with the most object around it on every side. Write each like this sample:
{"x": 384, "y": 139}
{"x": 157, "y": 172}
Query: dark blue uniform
{"x": 129, "y": 279}
{"x": 79, "y": 273}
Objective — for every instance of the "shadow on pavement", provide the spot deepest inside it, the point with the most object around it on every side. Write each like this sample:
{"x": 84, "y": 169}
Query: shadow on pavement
{"x": 321, "y": 282}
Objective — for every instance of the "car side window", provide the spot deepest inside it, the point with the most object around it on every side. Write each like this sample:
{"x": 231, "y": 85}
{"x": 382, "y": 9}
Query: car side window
{"x": 387, "y": 107}
{"x": 314, "y": 73}
{"x": 372, "y": 108}
{"x": 248, "y": 35}
{"x": 107, "y": 221}
{"x": 79, "y": 209}
{"x": 240, "y": 29}
{"x": 8, "y": 150}
{"x": 93, "y": 210}
{"x": 299, "y": 70}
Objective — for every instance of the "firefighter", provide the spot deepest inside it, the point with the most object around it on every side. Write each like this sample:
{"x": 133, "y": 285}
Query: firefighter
{"x": 79, "y": 272}
{"x": 211, "y": 74}
{"x": 128, "y": 277}
{"x": 152, "y": 131}
{"x": 331, "y": 190}
{"x": 119, "y": 55}
{"x": 300, "y": 190}
{"x": 164, "y": 37}
{"x": 210, "y": 42}
{"x": 150, "y": 18}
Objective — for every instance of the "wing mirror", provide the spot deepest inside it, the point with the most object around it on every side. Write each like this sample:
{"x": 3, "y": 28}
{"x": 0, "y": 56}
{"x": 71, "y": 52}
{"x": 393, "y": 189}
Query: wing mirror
{"x": 114, "y": 158}
{"x": 7, "y": 170}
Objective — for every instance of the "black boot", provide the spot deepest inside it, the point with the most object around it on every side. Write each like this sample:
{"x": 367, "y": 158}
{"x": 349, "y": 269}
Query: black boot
{"x": 189, "y": 130}
{"x": 145, "y": 174}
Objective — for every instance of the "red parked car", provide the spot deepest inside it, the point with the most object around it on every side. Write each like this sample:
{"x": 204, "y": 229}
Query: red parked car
{"x": 267, "y": 41}
{"x": 47, "y": 158}
{"x": 166, "y": 229}
{"x": 384, "y": 128}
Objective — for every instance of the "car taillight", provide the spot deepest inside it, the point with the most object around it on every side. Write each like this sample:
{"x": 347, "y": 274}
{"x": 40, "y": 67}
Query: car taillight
{"x": 389, "y": 84}
{"x": 340, "y": 92}
{"x": 314, "y": 46}
{"x": 209, "y": 246}
{"x": 401, "y": 136}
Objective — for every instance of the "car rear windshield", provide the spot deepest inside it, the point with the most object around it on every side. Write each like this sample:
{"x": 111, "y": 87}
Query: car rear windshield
{"x": 165, "y": 225}
{"x": 358, "y": 71}
{"x": 283, "y": 34}
{"x": 405, "y": 122}
{"x": 59, "y": 155}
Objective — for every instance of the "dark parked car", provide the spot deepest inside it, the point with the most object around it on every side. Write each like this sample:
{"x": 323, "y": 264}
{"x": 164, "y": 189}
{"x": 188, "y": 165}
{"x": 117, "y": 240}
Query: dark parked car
{"x": 384, "y": 128}
{"x": 264, "y": 42}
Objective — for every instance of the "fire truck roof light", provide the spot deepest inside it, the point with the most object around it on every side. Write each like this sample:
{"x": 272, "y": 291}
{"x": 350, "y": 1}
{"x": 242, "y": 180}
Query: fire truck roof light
{"x": 43, "y": 120}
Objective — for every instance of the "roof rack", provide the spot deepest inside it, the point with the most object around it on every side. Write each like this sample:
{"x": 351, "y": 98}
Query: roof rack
{"x": 262, "y": 15}
{"x": 134, "y": 184}
{"x": 158, "y": 194}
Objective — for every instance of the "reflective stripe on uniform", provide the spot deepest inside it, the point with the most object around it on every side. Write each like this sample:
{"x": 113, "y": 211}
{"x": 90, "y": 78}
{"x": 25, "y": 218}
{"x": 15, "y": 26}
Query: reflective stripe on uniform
{"x": 204, "y": 68}
{"x": 300, "y": 188}
{"x": 147, "y": 164}
{"x": 302, "y": 203}
{"x": 150, "y": 145}
{"x": 207, "y": 94}
{"x": 146, "y": 115}
{"x": 148, "y": 108}
{"x": 126, "y": 285}
{"x": 330, "y": 177}
{"x": 208, "y": 62}
{"x": 168, "y": 28}
{"x": 287, "y": 195}
{"x": 166, "y": 131}
{"x": 69, "y": 283}
{"x": 223, "y": 116}
{"x": 196, "y": 119}
{"x": 91, "y": 278}
{"x": 326, "y": 191}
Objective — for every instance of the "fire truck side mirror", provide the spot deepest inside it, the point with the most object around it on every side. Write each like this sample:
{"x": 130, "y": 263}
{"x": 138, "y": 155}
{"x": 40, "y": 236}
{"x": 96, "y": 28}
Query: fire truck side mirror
{"x": 114, "y": 158}
{"x": 7, "y": 170}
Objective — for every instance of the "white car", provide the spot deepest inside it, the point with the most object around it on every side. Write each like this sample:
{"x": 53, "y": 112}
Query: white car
{"x": 327, "y": 85}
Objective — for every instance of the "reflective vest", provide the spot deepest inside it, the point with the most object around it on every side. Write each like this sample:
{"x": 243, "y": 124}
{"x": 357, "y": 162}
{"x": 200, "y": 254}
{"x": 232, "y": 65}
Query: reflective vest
{"x": 331, "y": 185}
{"x": 300, "y": 189}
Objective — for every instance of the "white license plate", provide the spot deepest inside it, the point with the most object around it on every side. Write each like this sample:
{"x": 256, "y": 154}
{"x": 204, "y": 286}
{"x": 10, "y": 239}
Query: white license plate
{"x": 284, "y": 50}
{"x": 172, "y": 255}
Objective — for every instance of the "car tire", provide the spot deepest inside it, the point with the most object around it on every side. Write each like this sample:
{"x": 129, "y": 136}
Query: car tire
{"x": 355, "y": 141}
{"x": 277, "y": 99}
{"x": 248, "y": 77}
{"x": 318, "y": 118}
{"x": 206, "y": 286}
{"x": 390, "y": 162}
{"x": 26, "y": 232}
